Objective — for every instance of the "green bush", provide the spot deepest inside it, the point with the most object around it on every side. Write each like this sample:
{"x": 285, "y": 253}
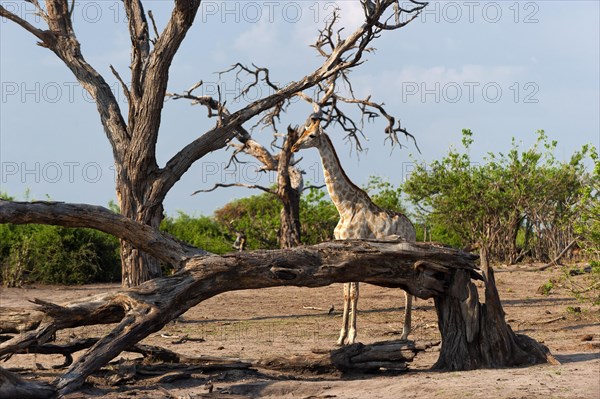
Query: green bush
{"x": 57, "y": 255}
{"x": 318, "y": 217}
{"x": 202, "y": 232}
{"x": 523, "y": 203}
{"x": 256, "y": 216}
{"x": 383, "y": 193}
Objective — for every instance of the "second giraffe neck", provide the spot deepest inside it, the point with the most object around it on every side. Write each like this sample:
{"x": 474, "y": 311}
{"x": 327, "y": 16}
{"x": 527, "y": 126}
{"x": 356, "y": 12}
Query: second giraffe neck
{"x": 342, "y": 191}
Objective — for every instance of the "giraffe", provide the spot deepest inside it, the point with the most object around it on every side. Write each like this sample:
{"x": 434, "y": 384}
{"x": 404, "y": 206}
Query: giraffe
{"x": 359, "y": 218}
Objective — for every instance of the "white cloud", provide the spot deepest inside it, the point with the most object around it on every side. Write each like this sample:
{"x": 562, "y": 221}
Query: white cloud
{"x": 261, "y": 38}
{"x": 293, "y": 29}
{"x": 352, "y": 15}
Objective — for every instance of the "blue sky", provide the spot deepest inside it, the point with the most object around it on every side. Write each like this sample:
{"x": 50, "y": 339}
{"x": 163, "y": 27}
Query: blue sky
{"x": 501, "y": 68}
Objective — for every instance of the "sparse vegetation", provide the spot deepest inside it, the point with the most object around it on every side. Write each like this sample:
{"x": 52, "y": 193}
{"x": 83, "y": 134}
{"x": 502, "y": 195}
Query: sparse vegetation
{"x": 546, "y": 288}
{"x": 584, "y": 283}
{"x": 202, "y": 231}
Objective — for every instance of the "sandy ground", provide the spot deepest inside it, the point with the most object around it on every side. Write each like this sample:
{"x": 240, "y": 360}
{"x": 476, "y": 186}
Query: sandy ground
{"x": 290, "y": 321}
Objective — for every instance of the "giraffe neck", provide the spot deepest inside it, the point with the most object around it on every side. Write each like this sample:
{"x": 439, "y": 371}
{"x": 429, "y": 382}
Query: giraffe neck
{"x": 344, "y": 194}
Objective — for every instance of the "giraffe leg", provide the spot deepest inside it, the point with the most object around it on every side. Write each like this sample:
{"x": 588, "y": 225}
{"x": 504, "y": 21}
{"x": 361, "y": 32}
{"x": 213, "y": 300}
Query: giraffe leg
{"x": 407, "y": 315}
{"x": 344, "y": 330}
{"x": 354, "y": 302}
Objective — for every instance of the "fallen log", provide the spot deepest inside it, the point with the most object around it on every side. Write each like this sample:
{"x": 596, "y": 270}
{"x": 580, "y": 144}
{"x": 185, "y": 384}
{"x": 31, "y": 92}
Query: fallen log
{"x": 66, "y": 350}
{"x": 554, "y": 262}
{"x": 389, "y": 355}
{"x": 14, "y": 386}
{"x": 425, "y": 270}
{"x": 473, "y": 334}
{"x": 17, "y": 320}
{"x": 149, "y": 352}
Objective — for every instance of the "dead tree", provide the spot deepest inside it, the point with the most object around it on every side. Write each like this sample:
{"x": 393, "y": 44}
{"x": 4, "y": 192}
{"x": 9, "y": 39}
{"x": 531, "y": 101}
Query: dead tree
{"x": 290, "y": 182}
{"x": 328, "y": 101}
{"x": 474, "y": 335}
{"x": 141, "y": 184}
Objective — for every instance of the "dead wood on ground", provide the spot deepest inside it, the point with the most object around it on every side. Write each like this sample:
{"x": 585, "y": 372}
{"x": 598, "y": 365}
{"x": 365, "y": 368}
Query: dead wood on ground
{"x": 474, "y": 335}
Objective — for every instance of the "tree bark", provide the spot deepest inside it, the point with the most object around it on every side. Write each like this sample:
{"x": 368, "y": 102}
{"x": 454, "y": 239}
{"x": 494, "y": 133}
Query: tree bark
{"x": 475, "y": 335}
{"x": 13, "y": 386}
{"x": 136, "y": 203}
{"x": 289, "y": 194}
{"x": 290, "y": 183}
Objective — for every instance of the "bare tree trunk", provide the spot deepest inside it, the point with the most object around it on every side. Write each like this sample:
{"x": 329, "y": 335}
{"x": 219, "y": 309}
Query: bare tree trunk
{"x": 475, "y": 335}
{"x": 141, "y": 185}
{"x": 137, "y": 267}
{"x": 512, "y": 250}
{"x": 289, "y": 183}
{"x": 135, "y": 203}
{"x": 289, "y": 186}
{"x": 289, "y": 232}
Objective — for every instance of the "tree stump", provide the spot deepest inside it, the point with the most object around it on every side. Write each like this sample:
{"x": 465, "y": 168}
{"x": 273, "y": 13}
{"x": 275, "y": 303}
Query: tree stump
{"x": 475, "y": 335}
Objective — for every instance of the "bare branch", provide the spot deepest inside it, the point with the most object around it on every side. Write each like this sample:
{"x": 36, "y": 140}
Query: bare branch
{"x": 150, "y": 74}
{"x": 411, "y": 13}
{"x": 259, "y": 152}
{"x": 123, "y": 85}
{"x": 260, "y": 75}
{"x": 325, "y": 38}
{"x": 311, "y": 187}
{"x": 391, "y": 130}
{"x": 46, "y": 37}
{"x": 328, "y": 104}
{"x": 225, "y": 185}
{"x": 140, "y": 45}
{"x": 340, "y": 56}
{"x": 153, "y": 26}
{"x": 254, "y": 71}
{"x": 60, "y": 38}
{"x": 209, "y": 102}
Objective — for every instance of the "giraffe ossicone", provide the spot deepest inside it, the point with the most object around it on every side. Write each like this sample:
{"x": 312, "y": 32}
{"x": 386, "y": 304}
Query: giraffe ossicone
{"x": 360, "y": 217}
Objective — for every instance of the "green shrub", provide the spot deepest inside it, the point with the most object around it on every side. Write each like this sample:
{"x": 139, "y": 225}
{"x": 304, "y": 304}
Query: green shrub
{"x": 256, "y": 216}
{"x": 201, "y": 232}
{"x": 318, "y": 217}
{"x": 57, "y": 255}
{"x": 545, "y": 288}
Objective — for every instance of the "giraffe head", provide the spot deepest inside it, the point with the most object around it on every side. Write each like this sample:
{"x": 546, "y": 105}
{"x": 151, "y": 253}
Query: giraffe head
{"x": 311, "y": 136}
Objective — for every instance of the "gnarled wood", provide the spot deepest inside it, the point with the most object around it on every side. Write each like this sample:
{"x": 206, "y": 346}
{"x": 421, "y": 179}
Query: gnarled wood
{"x": 147, "y": 308}
{"x": 389, "y": 355}
{"x": 473, "y": 334}
{"x": 13, "y": 386}
{"x": 16, "y": 320}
